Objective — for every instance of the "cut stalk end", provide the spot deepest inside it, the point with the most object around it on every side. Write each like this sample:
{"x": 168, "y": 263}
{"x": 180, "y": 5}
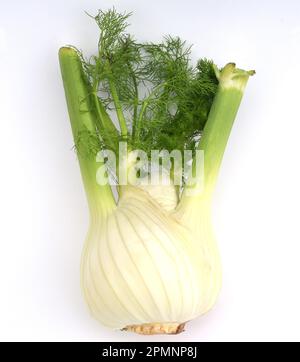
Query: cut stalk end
{"x": 231, "y": 77}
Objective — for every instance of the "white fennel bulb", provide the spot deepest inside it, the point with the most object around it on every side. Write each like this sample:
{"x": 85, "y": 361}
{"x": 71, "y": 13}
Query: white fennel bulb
{"x": 142, "y": 266}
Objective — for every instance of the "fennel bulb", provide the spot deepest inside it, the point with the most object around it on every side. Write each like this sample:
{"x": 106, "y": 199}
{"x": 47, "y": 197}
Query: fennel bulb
{"x": 150, "y": 261}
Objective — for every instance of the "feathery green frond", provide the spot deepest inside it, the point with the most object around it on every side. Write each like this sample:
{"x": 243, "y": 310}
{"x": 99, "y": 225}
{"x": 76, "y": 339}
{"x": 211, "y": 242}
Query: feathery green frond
{"x": 159, "y": 99}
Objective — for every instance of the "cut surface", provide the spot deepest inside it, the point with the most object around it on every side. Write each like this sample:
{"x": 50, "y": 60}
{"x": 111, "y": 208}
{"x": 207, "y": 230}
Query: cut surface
{"x": 156, "y": 328}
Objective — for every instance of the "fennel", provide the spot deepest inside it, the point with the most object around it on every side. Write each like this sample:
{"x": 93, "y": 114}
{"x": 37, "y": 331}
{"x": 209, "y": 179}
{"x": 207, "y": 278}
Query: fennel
{"x": 150, "y": 261}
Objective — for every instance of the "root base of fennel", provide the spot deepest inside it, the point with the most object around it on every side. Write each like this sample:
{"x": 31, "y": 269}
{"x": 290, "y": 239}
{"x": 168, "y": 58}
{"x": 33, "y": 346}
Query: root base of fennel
{"x": 156, "y": 328}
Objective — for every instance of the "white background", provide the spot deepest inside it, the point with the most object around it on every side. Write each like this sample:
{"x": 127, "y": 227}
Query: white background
{"x": 256, "y": 207}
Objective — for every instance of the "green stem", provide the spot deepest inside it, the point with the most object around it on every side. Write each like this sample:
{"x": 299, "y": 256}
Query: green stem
{"x": 145, "y": 104}
{"x": 135, "y": 106}
{"x": 119, "y": 111}
{"x": 140, "y": 119}
{"x": 78, "y": 95}
{"x": 232, "y": 82}
{"x": 105, "y": 126}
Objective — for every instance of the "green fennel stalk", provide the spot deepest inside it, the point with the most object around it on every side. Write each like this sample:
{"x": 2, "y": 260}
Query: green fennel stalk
{"x": 80, "y": 104}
